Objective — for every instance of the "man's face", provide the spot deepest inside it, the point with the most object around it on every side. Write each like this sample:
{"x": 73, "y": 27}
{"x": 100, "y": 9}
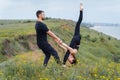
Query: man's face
{"x": 42, "y": 15}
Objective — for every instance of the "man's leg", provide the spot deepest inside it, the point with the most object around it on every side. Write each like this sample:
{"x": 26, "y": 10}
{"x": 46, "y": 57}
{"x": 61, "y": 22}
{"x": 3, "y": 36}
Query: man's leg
{"x": 54, "y": 53}
{"x": 56, "y": 57}
{"x": 47, "y": 57}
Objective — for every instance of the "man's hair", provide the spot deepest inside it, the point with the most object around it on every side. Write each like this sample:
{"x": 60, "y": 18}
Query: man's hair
{"x": 39, "y": 12}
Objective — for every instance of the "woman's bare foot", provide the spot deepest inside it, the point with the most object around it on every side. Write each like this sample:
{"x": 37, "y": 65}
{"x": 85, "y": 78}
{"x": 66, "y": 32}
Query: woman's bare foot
{"x": 81, "y": 6}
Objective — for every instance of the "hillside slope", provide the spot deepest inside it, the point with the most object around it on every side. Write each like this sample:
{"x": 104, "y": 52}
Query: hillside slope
{"x": 98, "y": 56}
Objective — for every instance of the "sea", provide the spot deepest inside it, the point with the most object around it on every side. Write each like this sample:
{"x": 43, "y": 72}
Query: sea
{"x": 113, "y": 31}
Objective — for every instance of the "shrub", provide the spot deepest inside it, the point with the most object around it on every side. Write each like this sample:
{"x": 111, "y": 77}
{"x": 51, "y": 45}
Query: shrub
{"x": 102, "y": 39}
{"x": 87, "y": 37}
{"x": 1, "y": 24}
{"x": 28, "y": 21}
{"x": 94, "y": 39}
{"x": 109, "y": 38}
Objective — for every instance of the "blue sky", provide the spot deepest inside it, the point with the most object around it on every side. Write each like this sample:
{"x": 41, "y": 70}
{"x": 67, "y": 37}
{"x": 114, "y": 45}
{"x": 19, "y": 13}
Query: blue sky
{"x": 105, "y": 11}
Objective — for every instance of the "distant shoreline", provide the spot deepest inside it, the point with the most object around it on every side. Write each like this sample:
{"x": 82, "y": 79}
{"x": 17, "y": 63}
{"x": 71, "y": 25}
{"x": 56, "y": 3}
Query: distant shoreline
{"x": 112, "y": 31}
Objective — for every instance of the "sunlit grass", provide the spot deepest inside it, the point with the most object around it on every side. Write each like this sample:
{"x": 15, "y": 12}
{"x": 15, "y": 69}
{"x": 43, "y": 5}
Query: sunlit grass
{"x": 29, "y": 67}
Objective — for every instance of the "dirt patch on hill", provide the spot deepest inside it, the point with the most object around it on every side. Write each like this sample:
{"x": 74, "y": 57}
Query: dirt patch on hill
{"x": 19, "y": 44}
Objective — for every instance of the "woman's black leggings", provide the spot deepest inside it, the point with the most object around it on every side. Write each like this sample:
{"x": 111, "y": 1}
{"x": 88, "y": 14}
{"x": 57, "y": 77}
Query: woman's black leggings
{"x": 75, "y": 42}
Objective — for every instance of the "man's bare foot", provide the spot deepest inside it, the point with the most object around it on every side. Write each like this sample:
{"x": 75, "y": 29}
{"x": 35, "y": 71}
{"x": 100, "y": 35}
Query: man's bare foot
{"x": 81, "y": 6}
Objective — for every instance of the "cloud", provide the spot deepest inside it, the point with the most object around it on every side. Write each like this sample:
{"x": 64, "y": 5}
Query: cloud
{"x": 94, "y": 11}
{"x": 18, "y": 9}
{"x": 3, "y": 4}
{"x": 26, "y": 9}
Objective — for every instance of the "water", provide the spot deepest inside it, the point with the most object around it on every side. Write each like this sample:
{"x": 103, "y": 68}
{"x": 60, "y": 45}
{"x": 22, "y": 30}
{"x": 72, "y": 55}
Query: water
{"x": 109, "y": 30}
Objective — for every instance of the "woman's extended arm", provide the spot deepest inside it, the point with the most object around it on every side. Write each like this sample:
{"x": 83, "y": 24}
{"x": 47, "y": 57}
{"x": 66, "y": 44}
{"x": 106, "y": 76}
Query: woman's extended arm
{"x": 66, "y": 47}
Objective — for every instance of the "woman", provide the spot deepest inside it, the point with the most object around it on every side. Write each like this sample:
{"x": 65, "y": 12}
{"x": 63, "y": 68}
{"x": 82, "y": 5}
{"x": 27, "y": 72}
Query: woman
{"x": 75, "y": 42}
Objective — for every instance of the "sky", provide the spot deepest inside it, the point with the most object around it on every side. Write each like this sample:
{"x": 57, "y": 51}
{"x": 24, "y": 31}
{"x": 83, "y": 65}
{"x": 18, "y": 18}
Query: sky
{"x": 99, "y": 11}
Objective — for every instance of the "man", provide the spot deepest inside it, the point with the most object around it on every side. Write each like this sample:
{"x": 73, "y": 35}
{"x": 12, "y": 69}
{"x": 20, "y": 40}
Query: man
{"x": 41, "y": 32}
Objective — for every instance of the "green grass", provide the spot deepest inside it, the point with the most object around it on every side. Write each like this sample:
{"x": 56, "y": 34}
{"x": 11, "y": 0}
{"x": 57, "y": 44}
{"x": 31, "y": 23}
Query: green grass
{"x": 95, "y": 56}
{"x": 27, "y": 66}
{"x": 16, "y": 29}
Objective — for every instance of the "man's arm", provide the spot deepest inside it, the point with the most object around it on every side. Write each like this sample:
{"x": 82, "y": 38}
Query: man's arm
{"x": 63, "y": 47}
{"x": 50, "y": 33}
{"x": 66, "y": 47}
{"x": 58, "y": 40}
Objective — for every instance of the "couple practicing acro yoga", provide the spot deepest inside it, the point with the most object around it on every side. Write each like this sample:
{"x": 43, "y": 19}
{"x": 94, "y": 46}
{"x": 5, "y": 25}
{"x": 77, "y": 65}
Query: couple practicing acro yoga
{"x": 42, "y": 31}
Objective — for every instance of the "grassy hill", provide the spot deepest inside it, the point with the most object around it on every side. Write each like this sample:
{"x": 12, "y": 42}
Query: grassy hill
{"x": 98, "y": 56}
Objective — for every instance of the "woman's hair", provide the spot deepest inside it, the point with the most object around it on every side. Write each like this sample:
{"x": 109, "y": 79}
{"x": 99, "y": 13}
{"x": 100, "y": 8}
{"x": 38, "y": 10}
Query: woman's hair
{"x": 74, "y": 61}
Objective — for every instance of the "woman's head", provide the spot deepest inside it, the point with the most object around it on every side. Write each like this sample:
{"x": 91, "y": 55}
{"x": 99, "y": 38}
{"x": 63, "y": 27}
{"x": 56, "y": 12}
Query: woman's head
{"x": 72, "y": 59}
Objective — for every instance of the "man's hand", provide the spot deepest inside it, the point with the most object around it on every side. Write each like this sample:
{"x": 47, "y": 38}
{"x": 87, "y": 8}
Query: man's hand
{"x": 59, "y": 41}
